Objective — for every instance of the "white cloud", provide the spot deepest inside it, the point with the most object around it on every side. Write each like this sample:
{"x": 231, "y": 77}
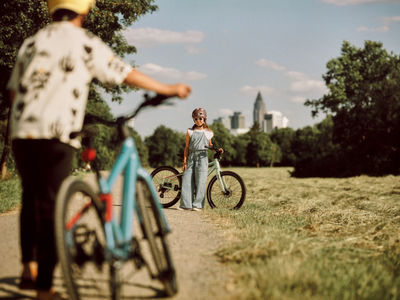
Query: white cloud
{"x": 294, "y": 75}
{"x": 298, "y": 99}
{"x": 193, "y": 75}
{"x": 308, "y": 86}
{"x": 373, "y": 30}
{"x": 166, "y": 72}
{"x": 265, "y": 63}
{"x": 390, "y": 20}
{"x": 153, "y": 36}
{"x": 248, "y": 89}
{"x": 300, "y": 85}
{"x": 355, "y": 2}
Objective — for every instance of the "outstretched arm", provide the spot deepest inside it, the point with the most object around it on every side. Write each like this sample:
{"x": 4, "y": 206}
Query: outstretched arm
{"x": 138, "y": 79}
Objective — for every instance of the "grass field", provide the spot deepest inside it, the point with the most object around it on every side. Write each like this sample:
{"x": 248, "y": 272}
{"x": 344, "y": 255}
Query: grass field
{"x": 314, "y": 238}
{"x": 308, "y": 238}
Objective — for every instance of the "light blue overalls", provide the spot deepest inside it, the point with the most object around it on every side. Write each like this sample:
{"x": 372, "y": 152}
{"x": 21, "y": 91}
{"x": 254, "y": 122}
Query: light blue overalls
{"x": 195, "y": 176}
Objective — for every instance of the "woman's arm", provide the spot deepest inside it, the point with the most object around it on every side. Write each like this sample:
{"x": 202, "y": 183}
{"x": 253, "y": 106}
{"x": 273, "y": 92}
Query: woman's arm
{"x": 186, "y": 152}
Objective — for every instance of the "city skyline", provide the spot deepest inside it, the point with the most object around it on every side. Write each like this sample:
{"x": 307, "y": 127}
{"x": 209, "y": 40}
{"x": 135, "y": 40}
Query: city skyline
{"x": 229, "y": 50}
{"x": 268, "y": 120}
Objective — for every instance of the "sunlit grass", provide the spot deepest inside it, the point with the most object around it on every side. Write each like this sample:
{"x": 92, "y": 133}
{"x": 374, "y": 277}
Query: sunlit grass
{"x": 314, "y": 238}
{"x": 10, "y": 194}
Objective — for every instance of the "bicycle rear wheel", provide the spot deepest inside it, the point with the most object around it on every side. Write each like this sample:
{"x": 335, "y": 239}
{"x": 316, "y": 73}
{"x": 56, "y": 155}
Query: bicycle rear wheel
{"x": 168, "y": 185}
{"x": 80, "y": 241}
{"x": 155, "y": 234}
{"x": 234, "y": 195}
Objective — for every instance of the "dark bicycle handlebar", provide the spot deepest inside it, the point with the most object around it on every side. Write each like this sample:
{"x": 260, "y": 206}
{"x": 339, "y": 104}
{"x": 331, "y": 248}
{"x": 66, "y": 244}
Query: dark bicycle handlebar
{"x": 218, "y": 153}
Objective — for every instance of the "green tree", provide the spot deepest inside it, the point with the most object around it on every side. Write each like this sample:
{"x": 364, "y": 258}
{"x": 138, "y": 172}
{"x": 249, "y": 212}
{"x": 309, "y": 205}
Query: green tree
{"x": 223, "y": 139}
{"x": 260, "y": 150}
{"x": 316, "y": 154}
{"x": 240, "y": 144}
{"x": 165, "y": 147}
{"x": 21, "y": 19}
{"x": 284, "y": 137}
{"x": 141, "y": 147}
{"x": 364, "y": 101}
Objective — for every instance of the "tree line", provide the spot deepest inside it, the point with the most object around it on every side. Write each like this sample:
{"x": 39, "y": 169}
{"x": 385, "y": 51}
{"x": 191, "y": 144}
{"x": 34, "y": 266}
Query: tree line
{"x": 360, "y": 134}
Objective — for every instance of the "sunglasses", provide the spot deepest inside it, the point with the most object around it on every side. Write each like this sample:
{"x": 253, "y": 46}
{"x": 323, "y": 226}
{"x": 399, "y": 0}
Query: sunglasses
{"x": 200, "y": 119}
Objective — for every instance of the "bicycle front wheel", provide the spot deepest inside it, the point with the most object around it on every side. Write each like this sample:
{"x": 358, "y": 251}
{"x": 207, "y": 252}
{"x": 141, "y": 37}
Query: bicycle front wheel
{"x": 234, "y": 195}
{"x": 155, "y": 234}
{"x": 80, "y": 241}
{"x": 168, "y": 185}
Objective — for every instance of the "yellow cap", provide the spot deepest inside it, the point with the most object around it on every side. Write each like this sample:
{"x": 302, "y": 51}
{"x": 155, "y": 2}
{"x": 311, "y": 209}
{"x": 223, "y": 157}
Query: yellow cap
{"x": 78, "y": 6}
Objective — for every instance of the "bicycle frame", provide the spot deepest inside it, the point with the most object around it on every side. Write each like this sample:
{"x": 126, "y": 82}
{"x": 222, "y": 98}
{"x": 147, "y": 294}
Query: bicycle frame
{"x": 212, "y": 166}
{"x": 118, "y": 236}
{"x": 215, "y": 166}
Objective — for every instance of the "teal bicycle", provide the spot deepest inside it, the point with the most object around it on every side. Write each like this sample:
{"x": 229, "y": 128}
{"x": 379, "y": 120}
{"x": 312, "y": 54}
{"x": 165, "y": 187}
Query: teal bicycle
{"x": 99, "y": 246}
{"x": 226, "y": 189}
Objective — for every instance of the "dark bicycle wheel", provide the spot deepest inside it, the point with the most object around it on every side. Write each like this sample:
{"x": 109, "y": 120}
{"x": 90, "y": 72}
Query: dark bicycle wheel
{"x": 168, "y": 185}
{"x": 80, "y": 241}
{"x": 155, "y": 233}
{"x": 233, "y": 197}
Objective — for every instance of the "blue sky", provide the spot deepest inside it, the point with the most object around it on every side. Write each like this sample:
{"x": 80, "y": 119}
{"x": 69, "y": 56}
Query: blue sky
{"x": 228, "y": 50}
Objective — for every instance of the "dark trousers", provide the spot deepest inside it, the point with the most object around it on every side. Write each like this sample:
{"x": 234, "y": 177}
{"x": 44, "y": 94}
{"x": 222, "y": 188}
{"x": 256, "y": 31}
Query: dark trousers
{"x": 42, "y": 165}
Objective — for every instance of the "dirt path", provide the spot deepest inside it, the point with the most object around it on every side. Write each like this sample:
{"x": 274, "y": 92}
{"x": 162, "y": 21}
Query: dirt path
{"x": 193, "y": 241}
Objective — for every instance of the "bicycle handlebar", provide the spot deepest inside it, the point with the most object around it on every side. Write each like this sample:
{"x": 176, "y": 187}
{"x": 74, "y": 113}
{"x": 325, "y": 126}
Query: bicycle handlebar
{"x": 218, "y": 153}
{"x": 213, "y": 148}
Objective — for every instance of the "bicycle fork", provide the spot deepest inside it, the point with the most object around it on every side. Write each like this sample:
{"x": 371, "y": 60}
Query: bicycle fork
{"x": 221, "y": 181}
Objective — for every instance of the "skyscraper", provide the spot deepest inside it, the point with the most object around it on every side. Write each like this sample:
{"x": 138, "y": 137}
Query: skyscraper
{"x": 268, "y": 121}
{"x": 259, "y": 110}
{"x": 237, "y": 120}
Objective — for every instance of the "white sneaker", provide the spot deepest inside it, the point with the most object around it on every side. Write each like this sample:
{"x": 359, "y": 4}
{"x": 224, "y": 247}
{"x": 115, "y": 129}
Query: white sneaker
{"x": 196, "y": 209}
{"x": 182, "y": 208}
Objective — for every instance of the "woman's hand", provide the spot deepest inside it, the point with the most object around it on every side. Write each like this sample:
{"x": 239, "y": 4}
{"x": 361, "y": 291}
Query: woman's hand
{"x": 184, "y": 167}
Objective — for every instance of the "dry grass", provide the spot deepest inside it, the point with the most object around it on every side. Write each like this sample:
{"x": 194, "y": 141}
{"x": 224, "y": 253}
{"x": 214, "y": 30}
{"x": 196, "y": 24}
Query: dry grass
{"x": 314, "y": 238}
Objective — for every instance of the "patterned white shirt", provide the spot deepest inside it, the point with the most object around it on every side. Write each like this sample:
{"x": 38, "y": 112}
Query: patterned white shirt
{"x": 51, "y": 78}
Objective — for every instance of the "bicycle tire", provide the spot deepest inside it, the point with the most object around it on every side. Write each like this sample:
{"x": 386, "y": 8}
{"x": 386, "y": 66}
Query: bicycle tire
{"x": 235, "y": 196}
{"x": 171, "y": 192}
{"x": 81, "y": 249}
{"x": 155, "y": 233}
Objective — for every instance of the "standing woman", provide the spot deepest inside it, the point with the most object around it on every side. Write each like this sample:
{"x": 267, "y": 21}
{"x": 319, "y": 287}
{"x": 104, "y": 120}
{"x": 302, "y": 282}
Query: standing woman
{"x": 195, "y": 162}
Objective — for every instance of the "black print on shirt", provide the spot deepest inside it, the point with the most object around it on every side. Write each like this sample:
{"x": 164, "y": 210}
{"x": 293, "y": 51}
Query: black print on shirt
{"x": 39, "y": 79}
{"x": 89, "y": 34}
{"x": 44, "y": 53}
{"x": 22, "y": 89}
{"x": 88, "y": 56}
{"x": 19, "y": 110}
{"x": 30, "y": 50}
{"x": 31, "y": 119}
{"x": 56, "y": 129}
{"x": 116, "y": 65}
{"x": 67, "y": 65}
{"x": 76, "y": 93}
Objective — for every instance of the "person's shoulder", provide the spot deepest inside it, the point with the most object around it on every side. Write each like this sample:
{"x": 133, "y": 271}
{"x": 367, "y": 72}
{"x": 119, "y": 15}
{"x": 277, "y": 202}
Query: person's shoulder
{"x": 209, "y": 133}
{"x": 190, "y": 131}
